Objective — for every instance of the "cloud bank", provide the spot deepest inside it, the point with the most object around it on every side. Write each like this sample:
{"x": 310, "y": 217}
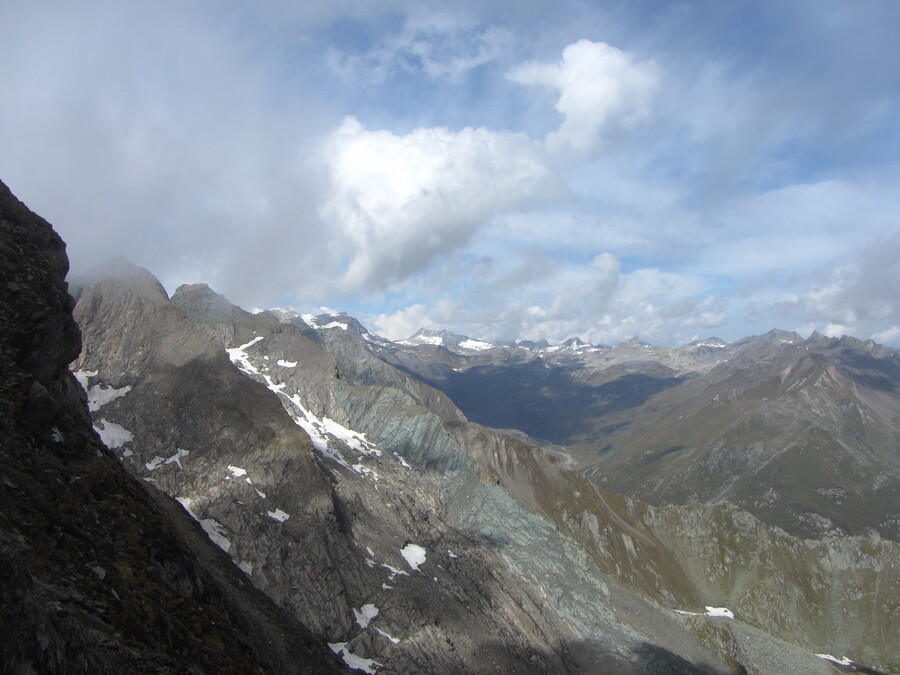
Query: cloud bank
{"x": 605, "y": 170}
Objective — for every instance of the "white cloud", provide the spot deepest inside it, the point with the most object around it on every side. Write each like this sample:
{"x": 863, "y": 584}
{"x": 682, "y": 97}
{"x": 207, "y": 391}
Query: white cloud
{"x": 404, "y": 323}
{"x": 596, "y": 301}
{"x": 889, "y": 336}
{"x": 855, "y": 298}
{"x": 601, "y": 89}
{"x": 399, "y": 201}
{"x": 149, "y": 131}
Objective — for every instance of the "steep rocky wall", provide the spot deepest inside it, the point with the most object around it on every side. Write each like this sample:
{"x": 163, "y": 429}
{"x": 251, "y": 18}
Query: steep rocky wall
{"x": 97, "y": 575}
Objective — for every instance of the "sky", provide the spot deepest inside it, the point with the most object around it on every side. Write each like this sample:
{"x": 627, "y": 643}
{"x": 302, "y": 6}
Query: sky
{"x": 507, "y": 170}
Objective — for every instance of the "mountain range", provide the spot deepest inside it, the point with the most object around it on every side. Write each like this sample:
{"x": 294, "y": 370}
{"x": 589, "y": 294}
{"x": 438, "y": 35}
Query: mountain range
{"x": 188, "y": 486}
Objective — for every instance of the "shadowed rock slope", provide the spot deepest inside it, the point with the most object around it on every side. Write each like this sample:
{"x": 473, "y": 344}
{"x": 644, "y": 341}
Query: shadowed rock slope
{"x": 326, "y": 476}
{"x": 838, "y": 594}
{"x": 256, "y": 429}
{"x": 96, "y": 574}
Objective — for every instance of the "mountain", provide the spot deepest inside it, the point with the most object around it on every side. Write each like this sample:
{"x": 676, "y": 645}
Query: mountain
{"x": 316, "y": 486}
{"x": 100, "y": 572}
{"x": 333, "y": 507}
{"x": 801, "y": 433}
{"x": 454, "y": 342}
{"x": 576, "y": 576}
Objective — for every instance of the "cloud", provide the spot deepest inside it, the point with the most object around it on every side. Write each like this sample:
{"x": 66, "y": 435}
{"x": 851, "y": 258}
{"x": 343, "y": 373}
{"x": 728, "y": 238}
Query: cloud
{"x": 205, "y": 141}
{"x": 601, "y": 90}
{"x": 404, "y": 323}
{"x": 398, "y": 202}
{"x": 597, "y": 302}
{"x": 857, "y": 298}
{"x": 151, "y": 132}
{"x": 438, "y": 45}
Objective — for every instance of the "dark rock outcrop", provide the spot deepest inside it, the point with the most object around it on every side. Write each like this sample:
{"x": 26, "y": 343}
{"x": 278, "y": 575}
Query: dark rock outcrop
{"x": 98, "y": 573}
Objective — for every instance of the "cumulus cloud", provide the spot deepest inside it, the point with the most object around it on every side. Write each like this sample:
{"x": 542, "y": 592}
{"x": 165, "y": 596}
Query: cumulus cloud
{"x": 601, "y": 89}
{"x": 205, "y": 141}
{"x": 399, "y": 201}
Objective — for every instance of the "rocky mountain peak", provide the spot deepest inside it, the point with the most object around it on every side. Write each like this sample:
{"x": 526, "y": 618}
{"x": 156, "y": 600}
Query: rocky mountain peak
{"x": 121, "y": 274}
{"x": 340, "y": 320}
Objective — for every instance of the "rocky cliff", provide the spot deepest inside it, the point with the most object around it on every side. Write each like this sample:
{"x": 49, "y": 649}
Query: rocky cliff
{"x": 100, "y": 574}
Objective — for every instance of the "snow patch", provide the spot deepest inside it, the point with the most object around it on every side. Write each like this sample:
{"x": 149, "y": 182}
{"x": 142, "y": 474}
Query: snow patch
{"x": 394, "y": 572}
{"x": 214, "y": 529}
{"x": 176, "y": 458}
{"x": 99, "y": 396}
{"x": 353, "y": 439}
{"x": 246, "y": 567}
{"x": 723, "y": 612}
{"x": 237, "y": 471}
{"x": 278, "y": 515}
{"x": 843, "y": 661}
{"x": 155, "y": 463}
{"x": 113, "y": 435}
{"x": 475, "y": 345}
{"x": 392, "y": 639}
{"x": 365, "y": 614}
{"x": 363, "y": 470}
{"x": 352, "y": 660}
{"x": 272, "y": 386}
{"x": 414, "y": 556}
{"x": 84, "y": 377}
{"x": 323, "y": 431}
{"x": 239, "y": 357}
{"x": 423, "y": 340}
{"x": 286, "y": 364}
{"x": 452, "y": 554}
{"x": 402, "y": 460}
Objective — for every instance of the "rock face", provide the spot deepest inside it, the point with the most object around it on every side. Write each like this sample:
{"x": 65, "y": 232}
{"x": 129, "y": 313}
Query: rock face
{"x": 256, "y": 429}
{"x": 98, "y": 576}
{"x": 729, "y": 557}
{"x": 330, "y": 498}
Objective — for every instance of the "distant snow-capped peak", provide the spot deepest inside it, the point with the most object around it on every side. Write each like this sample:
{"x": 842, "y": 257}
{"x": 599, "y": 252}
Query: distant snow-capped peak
{"x": 447, "y": 339}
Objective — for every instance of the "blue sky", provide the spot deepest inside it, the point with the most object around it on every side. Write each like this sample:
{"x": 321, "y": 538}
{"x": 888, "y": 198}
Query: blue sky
{"x": 507, "y": 170}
